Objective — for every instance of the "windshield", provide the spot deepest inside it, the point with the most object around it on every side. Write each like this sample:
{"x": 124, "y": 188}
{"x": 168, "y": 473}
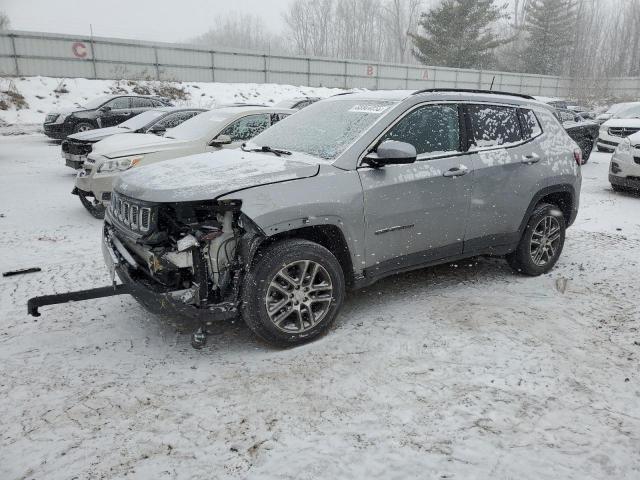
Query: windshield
{"x": 141, "y": 120}
{"x": 203, "y": 125}
{"x": 97, "y": 102}
{"x": 619, "y": 108}
{"x": 630, "y": 112}
{"x": 324, "y": 129}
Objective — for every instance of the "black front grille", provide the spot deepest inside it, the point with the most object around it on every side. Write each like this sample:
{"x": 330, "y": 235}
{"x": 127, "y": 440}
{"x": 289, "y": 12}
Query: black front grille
{"x": 136, "y": 216}
{"x": 622, "y": 131}
{"x": 77, "y": 148}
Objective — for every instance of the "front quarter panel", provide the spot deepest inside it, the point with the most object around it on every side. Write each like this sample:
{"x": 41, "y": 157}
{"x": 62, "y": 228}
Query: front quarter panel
{"x": 333, "y": 197}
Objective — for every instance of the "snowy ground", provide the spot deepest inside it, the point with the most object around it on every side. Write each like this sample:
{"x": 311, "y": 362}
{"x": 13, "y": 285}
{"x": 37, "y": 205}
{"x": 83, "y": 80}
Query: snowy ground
{"x": 47, "y": 94}
{"x": 462, "y": 371}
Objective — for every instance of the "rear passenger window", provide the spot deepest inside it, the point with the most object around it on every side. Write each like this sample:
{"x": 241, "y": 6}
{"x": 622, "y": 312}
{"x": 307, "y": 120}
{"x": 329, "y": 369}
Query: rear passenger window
{"x": 494, "y": 125}
{"x": 529, "y": 123}
{"x": 434, "y": 129}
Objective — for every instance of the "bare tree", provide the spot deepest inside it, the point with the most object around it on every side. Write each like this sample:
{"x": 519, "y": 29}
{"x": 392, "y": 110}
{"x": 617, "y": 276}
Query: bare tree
{"x": 401, "y": 20}
{"x": 5, "y": 23}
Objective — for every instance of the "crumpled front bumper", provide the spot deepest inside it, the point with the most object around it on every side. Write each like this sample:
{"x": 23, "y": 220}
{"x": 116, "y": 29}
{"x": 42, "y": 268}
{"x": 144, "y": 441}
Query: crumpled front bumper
{"x": 154, "y": 297}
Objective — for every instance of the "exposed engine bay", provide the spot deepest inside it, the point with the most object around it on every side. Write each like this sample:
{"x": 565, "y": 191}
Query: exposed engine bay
{"x": 196, "y": 252}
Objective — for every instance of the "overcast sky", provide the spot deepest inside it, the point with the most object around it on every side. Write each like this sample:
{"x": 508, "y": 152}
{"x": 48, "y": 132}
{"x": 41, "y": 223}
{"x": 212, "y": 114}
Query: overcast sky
{"x": 163, "y": 20}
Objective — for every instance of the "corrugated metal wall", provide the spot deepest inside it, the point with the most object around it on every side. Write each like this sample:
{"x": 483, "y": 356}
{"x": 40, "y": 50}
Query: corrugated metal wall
{"x": 33, "y": 53}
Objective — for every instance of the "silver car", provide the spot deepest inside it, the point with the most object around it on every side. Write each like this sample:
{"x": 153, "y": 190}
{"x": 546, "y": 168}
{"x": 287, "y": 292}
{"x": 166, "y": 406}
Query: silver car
{"x": 347, "y": 191}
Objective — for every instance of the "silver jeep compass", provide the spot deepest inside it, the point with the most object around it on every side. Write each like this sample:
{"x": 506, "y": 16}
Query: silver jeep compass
{"x": 347, "y": 191}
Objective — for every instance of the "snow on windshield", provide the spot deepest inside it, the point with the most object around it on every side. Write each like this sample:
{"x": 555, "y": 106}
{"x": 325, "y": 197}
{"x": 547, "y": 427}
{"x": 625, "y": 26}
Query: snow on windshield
{"x": 324, "y": 129}
{"x": 201, "y": 125}
{"x": 630, "y": 112}
{"x": 141, "y": 120}
{"x": 97, "y": 102}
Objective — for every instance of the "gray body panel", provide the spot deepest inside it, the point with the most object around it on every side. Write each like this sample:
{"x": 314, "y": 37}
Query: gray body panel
{"x": 391, "y": 217}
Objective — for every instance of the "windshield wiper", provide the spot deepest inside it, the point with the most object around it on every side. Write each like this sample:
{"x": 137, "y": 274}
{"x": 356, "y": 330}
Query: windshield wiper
{"x": 266, "y": 149}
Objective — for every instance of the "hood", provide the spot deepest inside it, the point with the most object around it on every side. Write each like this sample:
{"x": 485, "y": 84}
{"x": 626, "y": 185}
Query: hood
{"x": 207, "y": 176}
{"x": 622, "y": 122}
{"x": 98, "y": 134}
{"x": 123, "y": 145}
{"x": 634, "y": 139}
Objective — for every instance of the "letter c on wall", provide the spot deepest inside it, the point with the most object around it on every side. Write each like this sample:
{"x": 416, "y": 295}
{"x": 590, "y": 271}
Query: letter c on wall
{"x": 79, "y": 50}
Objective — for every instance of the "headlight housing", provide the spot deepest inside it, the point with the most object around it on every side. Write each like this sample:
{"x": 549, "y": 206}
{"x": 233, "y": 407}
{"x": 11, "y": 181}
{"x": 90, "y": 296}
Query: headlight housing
{"x": 119, "y": 164}
{"x": 624, "y": 146}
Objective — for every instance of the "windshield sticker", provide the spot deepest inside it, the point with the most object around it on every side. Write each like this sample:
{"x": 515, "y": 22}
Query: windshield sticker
{"x": 369, "y": 108}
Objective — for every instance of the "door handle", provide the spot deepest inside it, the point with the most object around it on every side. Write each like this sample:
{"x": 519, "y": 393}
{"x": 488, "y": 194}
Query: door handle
{"x": 456, "y": 172}
{"x": 530, "y": 159}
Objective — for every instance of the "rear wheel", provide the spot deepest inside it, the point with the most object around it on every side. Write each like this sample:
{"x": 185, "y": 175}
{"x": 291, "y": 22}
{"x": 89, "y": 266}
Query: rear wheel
{"x": 542, "y": 242}
{"x": 293, "y": 292}
{"x": 93, "y": 206}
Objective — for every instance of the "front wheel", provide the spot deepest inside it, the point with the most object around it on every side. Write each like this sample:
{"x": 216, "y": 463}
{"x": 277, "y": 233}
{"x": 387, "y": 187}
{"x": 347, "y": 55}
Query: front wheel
{"x": 542, "y": 242}
{"x": 93, "y": 206}
{"x": 83, "y": 127}
{"x": 293, "y": 292}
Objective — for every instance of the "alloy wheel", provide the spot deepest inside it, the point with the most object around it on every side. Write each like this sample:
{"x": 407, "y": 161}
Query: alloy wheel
{"x": 299, "y": 296}
{"x": 545, "y": 240}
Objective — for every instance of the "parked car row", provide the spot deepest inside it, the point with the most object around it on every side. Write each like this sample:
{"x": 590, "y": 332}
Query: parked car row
{"x": 206, "y": 132}
{"x": 338, "y": 195}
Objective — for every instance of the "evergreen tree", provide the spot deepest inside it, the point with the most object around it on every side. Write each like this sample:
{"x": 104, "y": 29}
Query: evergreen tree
{"x": 550, "y": 27}
{"x": 459, "y": 33}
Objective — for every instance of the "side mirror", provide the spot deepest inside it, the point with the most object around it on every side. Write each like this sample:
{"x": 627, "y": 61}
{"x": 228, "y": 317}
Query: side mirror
{"x": 105, "y": 108}
{"x": 392, "y": 152}
{"x": 157, "y": 130}
{"x": 221, "y": 140}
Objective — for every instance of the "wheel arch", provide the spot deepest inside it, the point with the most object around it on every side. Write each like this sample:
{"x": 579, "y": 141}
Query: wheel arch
{"x": 329, "y": 236}
{"x": 563, "y": 196}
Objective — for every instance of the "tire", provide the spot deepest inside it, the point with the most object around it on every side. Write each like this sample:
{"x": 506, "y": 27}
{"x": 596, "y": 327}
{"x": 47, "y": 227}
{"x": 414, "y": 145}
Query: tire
{"x": 95, "y": 208}
{"x": 265, "y": 285}
{"x": 545, "y": 219}
{"x": 83, "y": 127}
{"x": 619, "y": 188}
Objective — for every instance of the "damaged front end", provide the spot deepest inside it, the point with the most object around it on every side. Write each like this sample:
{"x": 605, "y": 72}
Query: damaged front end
{"x": 181, "y": 259}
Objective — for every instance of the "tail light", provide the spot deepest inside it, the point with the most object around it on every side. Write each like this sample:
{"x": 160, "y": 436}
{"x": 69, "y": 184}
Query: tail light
{"x": 577, "y": 155}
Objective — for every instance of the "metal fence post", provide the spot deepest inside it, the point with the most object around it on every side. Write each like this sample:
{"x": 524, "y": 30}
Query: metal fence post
{"x": 155, "y": 53}
{"x": 15, "y": 53}
{"x": 264, "y": 63}
{"x": 213, "y": 66}
{"x": 93, "y": 58}
{"x": 309, "y": 72}
{"x": 406, "y": 78}
{"x": 345, "y": 75}
{"x": 377, "y": 76}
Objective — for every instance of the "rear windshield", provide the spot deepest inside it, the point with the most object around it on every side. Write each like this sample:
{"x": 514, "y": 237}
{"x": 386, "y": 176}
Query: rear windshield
{"x": 324, "y": 129}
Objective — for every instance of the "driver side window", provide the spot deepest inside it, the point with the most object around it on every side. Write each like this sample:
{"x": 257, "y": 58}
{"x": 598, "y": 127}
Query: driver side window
{"x": 432, "y": 130}
{"x": 247, "y": 127}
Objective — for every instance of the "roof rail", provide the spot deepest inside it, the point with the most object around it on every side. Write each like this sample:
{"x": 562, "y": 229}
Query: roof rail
{"x": 470, "y": 90}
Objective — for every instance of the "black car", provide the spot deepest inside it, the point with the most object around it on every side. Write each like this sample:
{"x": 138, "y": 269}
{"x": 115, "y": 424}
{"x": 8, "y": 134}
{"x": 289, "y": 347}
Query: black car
{"x": 584, "y": 132}
{"x": 101, "y": 112}
{"x": 76, "y": 147}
